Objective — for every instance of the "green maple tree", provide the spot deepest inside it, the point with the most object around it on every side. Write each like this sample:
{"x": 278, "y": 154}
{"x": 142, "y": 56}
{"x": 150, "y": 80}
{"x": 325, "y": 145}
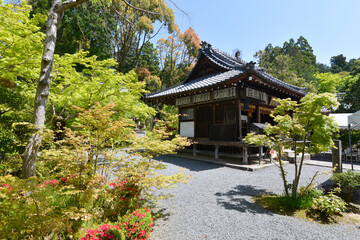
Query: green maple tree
{"x": 300, "y": 127}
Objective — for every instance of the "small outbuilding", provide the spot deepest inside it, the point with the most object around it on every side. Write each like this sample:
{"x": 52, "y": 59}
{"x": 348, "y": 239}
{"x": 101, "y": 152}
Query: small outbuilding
{"x": 224, "y": 98}
{"x": 341, "y": 119}
{"x": 354, "y": 118}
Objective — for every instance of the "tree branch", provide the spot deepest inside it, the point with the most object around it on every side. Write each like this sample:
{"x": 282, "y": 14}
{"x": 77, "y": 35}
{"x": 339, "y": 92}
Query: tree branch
{"x": 63, "y": 109}
{"x": 123, "y": 17}
{"x": 5, "y": 111}
{"x": 53, "y": 107}
{"x": 312, "y": 180}
{"x": 78, "y": 23}
{"x": 62, "y": 7}
{"x": 156, "y": 33}
{"x": 105, "y": 24}
{"x": 140, "y": 9}
{"x": 185, "y": 13}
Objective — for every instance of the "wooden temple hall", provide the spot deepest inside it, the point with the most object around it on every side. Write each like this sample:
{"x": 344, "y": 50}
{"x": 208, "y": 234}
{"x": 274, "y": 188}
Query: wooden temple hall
{"x": 223, "y": 99}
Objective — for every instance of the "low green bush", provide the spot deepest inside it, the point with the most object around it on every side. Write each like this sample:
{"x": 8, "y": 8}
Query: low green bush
{"x": 348, "y": 182}
{"x": 290, "y": 202}
{"x": 302, "y": 200}
{"x": 307, "y": 195}
{"x": 326, "y": 206}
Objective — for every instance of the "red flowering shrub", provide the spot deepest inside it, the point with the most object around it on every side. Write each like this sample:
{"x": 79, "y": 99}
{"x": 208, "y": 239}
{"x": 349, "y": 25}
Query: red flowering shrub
{"x": 70, "y": 178}
{"x": 134, "y": 226}
{"x": 105, "y": 231}
{"x": 64, "y": 179}
{"x": 6, "y": 186}
{"x": 50, "y": 182}
{"x": 138, "y": 224}
{"x": 125, "y": 195}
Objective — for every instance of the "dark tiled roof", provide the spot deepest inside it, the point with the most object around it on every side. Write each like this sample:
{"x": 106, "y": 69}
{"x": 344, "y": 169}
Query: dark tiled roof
{"x": 197, "y": 83}
{"x": 234, "y": 67}
{"x": 261, "y": 72}
{"x": 221, "y": 58}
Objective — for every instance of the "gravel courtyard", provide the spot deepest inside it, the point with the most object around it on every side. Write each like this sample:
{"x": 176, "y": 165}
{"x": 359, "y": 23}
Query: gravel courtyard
{"x": 216, "y": 204}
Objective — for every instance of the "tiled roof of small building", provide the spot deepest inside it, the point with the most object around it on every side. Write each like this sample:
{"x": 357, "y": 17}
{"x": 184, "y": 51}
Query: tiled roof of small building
{"x": 197, "y": 83}
{"x": 234, "y": 66}
{"x": 221, "y": 58}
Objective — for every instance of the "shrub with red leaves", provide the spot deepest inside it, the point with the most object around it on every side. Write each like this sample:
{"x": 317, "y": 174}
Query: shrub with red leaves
{"x": 138, "y": 224}
{"x": 105, "y": 231}
{"x": 125, "y": 197}
{"x": 134, "y": 226}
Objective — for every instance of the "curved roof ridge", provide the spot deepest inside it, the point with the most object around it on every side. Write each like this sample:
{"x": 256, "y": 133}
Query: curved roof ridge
{"x": 220, "y": 57}
{"x": 216, "y": 60}
{"x": 231, "y": 58}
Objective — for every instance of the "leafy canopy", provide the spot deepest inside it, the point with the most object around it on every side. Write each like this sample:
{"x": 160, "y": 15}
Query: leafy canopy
{"x": 177, "y": 55}
{"x": 294, "y": 63}
{"x": 300, "y": 127}
{"x": 82, "y": 81}
{"x": 21, "y": 43}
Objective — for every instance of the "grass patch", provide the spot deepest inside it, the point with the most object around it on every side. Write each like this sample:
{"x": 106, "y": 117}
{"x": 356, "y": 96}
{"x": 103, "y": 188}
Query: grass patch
{"x": 274, "y": 204}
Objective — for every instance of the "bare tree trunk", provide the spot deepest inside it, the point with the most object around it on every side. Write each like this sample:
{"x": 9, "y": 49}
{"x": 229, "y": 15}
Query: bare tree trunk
{"x": 297, "y": 177}
{"x": 283, "y": 173}
{"x": 42, "y": 92}
{"x": 43, "y": 89}
{"x": 294, "y": 186}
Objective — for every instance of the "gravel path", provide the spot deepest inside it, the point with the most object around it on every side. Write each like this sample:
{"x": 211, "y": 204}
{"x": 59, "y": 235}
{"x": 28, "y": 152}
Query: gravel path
{"x": 216, "y": 204}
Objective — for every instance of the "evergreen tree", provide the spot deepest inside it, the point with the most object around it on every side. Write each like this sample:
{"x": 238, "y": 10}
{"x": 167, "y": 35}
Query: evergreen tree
{"x": 294, "y": 63}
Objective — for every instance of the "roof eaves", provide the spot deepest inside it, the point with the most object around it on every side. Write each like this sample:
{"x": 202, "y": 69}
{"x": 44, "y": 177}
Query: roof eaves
{"x": 280, "y": 82}
{"x": 197, "y": 83}
{"x": 151, "y": 95}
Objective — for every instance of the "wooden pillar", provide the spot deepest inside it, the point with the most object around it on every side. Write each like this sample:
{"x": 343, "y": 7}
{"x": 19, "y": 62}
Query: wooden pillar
{"x": 245, "y": 155}
{"x": 195, "y": 122}
{"x": 179, "y": 109}
{"x": 213, "y": 113}
{"x": 216, "y": 152}
{"x": 238, "y": 102}
{"x": 258, "y": 114}
{"x": 194, "y": 149}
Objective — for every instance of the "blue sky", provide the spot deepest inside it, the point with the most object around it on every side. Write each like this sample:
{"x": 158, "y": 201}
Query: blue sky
{"x": 331, "y": 27}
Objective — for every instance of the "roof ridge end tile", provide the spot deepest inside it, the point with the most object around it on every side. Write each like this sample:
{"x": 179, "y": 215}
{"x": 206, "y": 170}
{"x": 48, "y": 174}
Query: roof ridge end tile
{"x": 228, "y": 55}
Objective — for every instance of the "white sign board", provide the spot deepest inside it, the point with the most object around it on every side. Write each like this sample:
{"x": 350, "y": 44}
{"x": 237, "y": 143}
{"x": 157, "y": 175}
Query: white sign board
{"x": 182, "y": 101}
{"x": 225, "y": 93}
{"x": 252, "y": 93}
{"x": 187, "y": 129}
{"x": 244, "y": 118}
{"x": 202, "y": 97}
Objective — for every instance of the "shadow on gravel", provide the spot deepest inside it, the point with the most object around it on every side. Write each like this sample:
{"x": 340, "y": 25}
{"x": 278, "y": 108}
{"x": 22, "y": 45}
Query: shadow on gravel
{"x": 162, "y": 213}
{"x": 187, "y": 163}
{"x": 235, "y": 199}
{"x": 327, "y": 184}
